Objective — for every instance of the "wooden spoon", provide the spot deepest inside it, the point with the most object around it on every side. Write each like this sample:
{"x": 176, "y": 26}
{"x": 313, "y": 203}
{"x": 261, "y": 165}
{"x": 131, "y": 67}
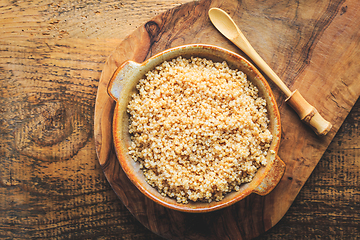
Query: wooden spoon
{"x": 307, "y": 113}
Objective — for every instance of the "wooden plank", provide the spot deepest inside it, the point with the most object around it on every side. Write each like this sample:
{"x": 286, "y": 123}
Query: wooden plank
{"x": 52, "y": 57}
{"x": 318, "y": 43}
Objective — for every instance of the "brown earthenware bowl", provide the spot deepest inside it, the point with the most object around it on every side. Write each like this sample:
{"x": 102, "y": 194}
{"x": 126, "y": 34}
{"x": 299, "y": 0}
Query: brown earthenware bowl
{"x": 123, "y": 85}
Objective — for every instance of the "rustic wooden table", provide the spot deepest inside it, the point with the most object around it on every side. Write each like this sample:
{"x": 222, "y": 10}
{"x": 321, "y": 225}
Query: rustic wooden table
{"x": 51, "y": 183}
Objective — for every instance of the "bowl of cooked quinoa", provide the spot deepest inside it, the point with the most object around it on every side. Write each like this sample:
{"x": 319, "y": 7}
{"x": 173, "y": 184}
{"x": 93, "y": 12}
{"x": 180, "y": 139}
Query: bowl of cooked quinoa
{"x": 196, "y": 128}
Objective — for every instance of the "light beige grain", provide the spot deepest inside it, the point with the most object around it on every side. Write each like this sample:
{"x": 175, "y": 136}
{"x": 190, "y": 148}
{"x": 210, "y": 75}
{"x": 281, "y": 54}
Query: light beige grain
{"x": 199, "y": 129}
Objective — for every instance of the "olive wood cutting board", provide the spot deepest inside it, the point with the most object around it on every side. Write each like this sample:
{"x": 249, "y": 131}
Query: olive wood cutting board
{"x": 312, "y": 46}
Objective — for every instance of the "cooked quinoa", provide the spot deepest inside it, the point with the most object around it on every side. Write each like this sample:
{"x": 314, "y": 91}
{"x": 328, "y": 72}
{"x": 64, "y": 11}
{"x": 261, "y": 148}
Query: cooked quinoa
{"x": 198, "y": 129}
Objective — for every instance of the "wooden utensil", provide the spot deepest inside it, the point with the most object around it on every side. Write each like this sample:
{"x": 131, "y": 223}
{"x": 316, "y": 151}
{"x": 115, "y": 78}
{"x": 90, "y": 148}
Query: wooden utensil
{"x": 307, "y": 113}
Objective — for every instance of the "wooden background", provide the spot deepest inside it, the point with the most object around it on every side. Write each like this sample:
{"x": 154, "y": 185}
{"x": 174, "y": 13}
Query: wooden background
{"x": 51, "y": 183}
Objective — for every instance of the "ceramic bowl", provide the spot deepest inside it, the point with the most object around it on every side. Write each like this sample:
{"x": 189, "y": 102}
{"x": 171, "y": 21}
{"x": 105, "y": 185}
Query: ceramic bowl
{"x": 123, "y": 85}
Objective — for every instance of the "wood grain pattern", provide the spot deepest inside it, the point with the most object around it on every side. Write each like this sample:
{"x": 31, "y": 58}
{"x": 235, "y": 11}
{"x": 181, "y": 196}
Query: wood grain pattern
{"x": 254, "y": 215}
{"x": 52, "y": 56}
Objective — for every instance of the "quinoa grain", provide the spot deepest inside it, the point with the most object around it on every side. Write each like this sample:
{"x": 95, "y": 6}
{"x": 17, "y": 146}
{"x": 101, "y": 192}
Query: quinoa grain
{"x": 198, "y": 129}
